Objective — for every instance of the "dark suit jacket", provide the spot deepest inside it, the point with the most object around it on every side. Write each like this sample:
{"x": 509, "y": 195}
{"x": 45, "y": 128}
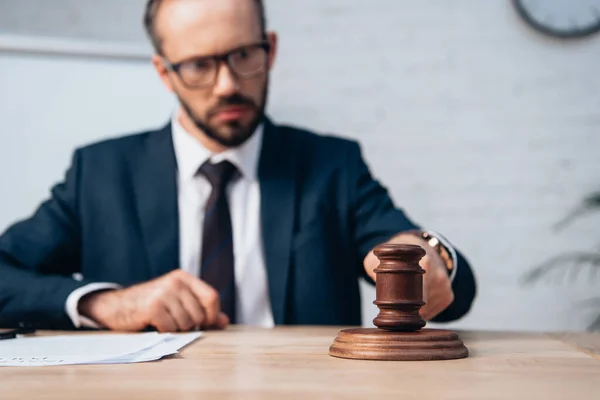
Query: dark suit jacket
{"x": 114, "y": 219}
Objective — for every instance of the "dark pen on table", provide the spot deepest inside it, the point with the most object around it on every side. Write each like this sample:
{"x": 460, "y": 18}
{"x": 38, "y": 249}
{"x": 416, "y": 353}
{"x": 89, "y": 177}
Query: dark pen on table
{"x": 12, "y": 334}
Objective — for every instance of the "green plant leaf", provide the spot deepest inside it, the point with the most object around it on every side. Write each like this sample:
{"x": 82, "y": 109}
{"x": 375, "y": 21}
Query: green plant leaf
{"x": 591, "y": 202}
{"x": 573, "y": 262}
{"x": 595, "y": 325}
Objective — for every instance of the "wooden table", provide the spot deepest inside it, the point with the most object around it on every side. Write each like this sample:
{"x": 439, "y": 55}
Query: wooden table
{"x": 292, "y": 362}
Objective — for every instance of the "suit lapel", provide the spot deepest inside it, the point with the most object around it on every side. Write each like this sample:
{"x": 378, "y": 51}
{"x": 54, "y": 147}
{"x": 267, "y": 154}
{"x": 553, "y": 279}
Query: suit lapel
{"x": 277, "y": 177}
{"x": 155, "y": 185}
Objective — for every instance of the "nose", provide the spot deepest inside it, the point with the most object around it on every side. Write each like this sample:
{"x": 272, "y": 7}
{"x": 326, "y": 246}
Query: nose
{"x": 227, "y": 83}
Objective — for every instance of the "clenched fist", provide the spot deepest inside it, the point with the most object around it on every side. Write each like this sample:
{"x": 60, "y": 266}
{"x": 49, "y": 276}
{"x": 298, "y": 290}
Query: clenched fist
{"x": 176, "y": 302}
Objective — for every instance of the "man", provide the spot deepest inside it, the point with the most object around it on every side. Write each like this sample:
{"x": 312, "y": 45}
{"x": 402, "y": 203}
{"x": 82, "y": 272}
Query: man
{"x": 219, "y": 217}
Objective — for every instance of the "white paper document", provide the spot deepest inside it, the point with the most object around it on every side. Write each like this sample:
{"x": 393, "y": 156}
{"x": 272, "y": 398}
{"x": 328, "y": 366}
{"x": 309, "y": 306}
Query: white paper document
{"x": 91, "y": 349}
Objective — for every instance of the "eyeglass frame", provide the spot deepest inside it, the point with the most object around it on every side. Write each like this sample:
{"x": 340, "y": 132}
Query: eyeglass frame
{"x": 219, "y": 59}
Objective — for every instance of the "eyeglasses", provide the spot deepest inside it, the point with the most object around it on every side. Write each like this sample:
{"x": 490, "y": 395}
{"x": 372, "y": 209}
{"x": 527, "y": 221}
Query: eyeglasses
{"x": 245, "y": 61}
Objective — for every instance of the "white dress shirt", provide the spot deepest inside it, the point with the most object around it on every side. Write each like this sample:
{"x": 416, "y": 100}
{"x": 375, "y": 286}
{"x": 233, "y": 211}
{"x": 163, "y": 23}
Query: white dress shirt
{"x": 243, "y": 193}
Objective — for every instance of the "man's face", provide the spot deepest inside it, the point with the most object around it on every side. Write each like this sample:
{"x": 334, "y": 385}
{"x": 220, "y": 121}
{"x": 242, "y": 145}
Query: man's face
{"x": 226, "y": 102}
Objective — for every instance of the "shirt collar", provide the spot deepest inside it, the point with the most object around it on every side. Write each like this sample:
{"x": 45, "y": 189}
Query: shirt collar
{"x": 191, "y": 154}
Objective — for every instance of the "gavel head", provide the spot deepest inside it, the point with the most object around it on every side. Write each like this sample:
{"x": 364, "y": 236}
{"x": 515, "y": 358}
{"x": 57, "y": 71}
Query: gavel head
{"x": 399, "y": 287}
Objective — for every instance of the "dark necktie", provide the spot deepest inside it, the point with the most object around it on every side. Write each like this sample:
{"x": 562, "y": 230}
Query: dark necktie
{"x": 217, "y": 265}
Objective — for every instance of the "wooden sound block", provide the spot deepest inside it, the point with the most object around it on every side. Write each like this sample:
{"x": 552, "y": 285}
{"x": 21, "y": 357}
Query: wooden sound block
{"x": 379, "y": 344}
{"x": 399, "y": 335}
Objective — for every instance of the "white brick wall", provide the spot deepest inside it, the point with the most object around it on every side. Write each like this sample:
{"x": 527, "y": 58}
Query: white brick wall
{"x": 480, "y": 128}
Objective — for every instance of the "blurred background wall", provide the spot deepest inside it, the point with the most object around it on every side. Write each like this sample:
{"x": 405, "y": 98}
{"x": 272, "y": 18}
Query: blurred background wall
{"x": 481, "y": 128}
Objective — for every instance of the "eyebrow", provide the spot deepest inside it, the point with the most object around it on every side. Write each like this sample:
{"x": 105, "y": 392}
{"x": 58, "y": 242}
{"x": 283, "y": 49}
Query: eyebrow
{"x": 221, "y": 54}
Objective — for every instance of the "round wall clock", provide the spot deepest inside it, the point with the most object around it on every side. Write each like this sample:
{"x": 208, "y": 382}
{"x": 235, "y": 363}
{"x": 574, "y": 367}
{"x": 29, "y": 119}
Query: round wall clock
{"x": 561, "y": 18}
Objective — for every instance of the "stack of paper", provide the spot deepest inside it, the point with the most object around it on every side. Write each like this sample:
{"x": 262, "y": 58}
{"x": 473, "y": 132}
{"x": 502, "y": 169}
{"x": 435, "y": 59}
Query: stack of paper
{"x": 91, "y": 349}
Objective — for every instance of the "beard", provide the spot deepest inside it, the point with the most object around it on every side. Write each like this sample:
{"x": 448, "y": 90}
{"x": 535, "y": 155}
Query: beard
{"x": 234, "y": 133}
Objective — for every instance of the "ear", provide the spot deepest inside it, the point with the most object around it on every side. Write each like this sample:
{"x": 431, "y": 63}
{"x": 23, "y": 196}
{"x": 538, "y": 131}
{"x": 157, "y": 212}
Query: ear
{"x": 162, "y": 71}
{"x": 272, "y": 38}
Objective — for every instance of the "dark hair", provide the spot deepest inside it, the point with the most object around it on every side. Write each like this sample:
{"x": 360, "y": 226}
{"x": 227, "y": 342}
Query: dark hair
{"x": 152, "y": 7}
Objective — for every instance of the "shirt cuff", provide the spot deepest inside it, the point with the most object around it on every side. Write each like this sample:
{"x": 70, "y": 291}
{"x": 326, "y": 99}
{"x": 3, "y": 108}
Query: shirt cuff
{"x": 72, "y": 303}
{"x": 451, "y": 250}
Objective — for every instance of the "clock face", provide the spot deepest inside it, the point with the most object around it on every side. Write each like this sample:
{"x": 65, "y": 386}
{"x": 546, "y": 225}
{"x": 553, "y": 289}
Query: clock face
{"x": 561, "y": 18}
